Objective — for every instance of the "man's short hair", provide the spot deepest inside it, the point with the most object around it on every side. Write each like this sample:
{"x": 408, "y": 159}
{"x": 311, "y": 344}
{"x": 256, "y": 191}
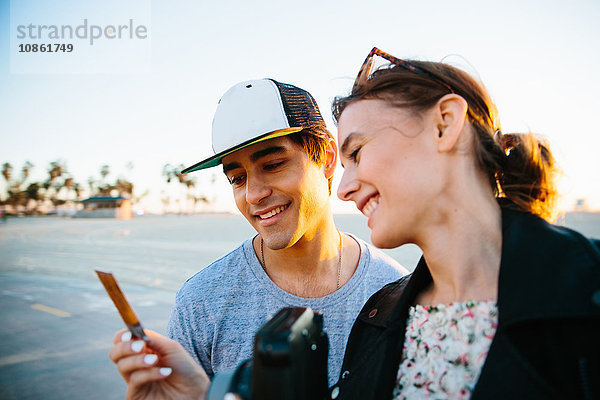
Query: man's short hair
{"x": 314, "y": 141}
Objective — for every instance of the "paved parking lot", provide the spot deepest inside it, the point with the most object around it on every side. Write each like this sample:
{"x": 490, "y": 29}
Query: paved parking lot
{"x": 56, "y": 333}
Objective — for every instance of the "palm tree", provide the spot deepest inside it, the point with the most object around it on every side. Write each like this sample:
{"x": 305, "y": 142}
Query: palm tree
{"x": 27, "y": 167}
{"x": 92, "y": 184}
{"x": 5, "y": 196}
{"x": 124, "y": 187}
{"x": 104, "y": 171}
{"x": 168, "y": 172}
{"x": 56, "y": 169}
{"x": 6, "y": 171}
{"x": 104, "y": 188}
{"x": 171, "y": 172}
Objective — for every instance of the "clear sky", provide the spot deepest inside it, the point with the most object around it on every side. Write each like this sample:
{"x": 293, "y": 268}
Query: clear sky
{"x": 150, "y": 101}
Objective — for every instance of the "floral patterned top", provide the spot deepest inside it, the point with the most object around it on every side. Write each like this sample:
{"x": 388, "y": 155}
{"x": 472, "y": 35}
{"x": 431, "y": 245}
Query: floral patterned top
{"x": 444, "y": 349}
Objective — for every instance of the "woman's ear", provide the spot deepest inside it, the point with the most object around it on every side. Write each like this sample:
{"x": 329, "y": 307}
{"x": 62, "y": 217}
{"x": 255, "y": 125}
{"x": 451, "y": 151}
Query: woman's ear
{"x": 331, "y": 154}
{"x": 452, "y": 115}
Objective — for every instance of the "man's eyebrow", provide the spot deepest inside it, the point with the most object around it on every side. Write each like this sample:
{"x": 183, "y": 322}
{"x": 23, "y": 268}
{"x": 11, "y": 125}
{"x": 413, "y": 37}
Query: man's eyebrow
{"x": 230, "y": 166}
{"x": 267, "y": 151}
{"x": 255, "y": 157}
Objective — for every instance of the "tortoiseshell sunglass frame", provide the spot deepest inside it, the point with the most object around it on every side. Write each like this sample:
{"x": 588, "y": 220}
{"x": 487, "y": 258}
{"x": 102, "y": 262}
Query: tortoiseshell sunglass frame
{"x": 365, "y": 70}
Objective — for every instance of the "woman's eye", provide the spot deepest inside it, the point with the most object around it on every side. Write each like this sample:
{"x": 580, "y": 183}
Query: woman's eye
{"x": 354, "y": 155}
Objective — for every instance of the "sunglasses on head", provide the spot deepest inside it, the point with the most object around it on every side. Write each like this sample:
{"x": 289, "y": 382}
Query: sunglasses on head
{"x": 367, "y": 68}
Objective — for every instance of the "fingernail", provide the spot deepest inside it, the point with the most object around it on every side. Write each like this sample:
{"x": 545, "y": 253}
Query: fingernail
{"x": 150, "y": 359}
{"x": 126, "y": 337}
{"x": 137, "y": 346}
{"x": 229, "y": 396}
{"x": 165, "y": 371}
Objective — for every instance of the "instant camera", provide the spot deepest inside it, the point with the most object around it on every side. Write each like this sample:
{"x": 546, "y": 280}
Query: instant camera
{"x": 289, "y": 361}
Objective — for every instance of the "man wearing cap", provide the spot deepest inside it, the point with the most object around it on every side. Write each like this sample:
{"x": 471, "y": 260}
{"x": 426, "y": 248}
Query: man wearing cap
{"x": 279, "y": 158}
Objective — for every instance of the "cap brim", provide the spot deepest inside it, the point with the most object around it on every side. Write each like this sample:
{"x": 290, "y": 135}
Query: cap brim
{"x": 216, "y": 159}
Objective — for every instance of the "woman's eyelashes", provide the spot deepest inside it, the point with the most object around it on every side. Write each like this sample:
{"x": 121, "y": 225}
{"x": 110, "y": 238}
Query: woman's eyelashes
{"x": 354, "y": 154}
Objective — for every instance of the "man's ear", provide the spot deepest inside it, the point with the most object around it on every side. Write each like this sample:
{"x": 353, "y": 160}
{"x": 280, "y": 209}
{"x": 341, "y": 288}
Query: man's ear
{"x": 451, "y": 115}
{"x": 331, "y": 155}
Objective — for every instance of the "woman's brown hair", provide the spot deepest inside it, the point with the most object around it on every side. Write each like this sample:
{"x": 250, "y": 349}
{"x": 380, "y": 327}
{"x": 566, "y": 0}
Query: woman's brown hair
{"x": 519, "y": 166}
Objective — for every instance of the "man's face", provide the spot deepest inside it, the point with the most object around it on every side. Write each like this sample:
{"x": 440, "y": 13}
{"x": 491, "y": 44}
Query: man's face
{"x": 280, "y": 190}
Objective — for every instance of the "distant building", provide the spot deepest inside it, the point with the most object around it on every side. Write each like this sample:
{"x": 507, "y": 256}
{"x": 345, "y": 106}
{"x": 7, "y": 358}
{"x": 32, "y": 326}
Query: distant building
{"x": 106, "y": 207}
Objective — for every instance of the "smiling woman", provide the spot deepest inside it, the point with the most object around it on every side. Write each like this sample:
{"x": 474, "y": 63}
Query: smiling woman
{"x": 503, "y": 304}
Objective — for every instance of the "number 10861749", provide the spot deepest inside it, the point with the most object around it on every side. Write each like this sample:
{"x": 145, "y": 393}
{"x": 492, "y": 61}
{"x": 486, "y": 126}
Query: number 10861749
{"x": 45, "y": 48}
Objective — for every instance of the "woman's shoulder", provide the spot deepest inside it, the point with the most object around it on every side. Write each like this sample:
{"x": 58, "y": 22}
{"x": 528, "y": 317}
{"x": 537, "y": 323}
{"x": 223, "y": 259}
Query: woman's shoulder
{"x": 546, "y": 269}
{"x": 384, "y": 301}
{"x": 528, "y": 229}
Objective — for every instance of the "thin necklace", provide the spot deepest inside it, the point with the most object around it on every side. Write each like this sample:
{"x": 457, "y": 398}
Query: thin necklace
{"x": 339, "y": 271}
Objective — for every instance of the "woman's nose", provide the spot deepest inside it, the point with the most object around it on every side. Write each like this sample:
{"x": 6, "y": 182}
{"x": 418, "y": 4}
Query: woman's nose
{"x": 348, "y": 186}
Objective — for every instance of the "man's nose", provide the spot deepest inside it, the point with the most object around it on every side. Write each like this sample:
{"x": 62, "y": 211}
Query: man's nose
{"x": 257, "y": 189}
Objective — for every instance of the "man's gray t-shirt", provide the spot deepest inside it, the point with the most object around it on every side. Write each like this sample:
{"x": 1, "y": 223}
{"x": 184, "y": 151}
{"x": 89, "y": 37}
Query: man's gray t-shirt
{"x": 218, "y": 311}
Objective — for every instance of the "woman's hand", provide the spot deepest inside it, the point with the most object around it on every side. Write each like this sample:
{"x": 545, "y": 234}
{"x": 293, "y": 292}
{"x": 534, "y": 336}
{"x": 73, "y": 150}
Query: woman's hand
{"x": 161, "y": 369}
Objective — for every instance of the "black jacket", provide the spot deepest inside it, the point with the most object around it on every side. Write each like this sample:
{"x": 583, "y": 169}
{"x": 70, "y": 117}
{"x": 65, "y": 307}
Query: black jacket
{"x": 547, "y": 344}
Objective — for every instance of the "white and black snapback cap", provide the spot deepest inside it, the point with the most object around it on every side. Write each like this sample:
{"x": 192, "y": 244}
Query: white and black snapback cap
{"x": 258, "y": 110}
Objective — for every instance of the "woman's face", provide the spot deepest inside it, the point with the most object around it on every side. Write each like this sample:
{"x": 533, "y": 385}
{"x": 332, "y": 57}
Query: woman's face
{"x": 391, "y": 168}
